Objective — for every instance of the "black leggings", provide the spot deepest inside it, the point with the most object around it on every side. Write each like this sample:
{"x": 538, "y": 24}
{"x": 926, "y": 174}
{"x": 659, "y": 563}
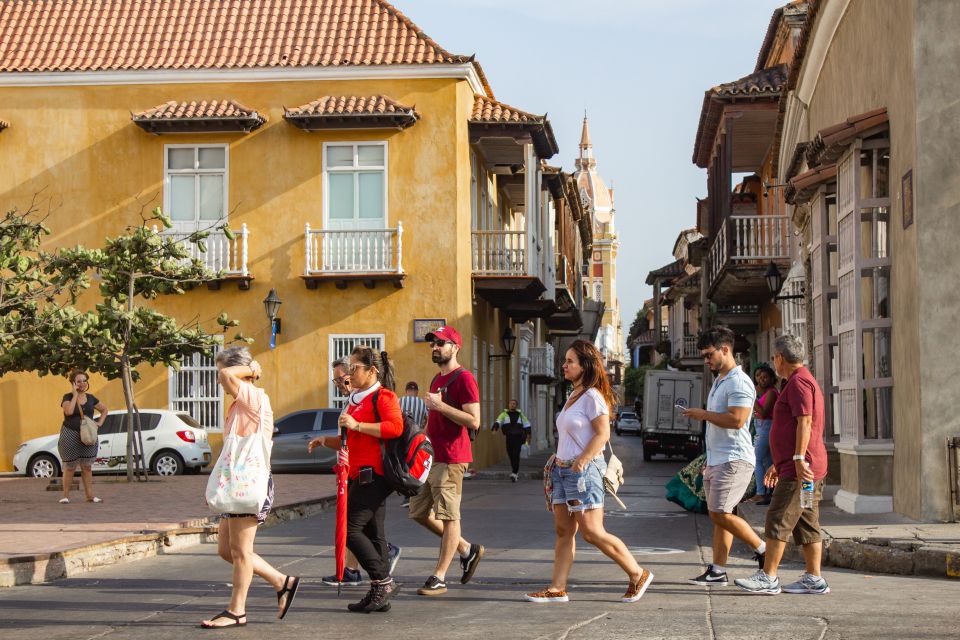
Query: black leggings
{"x": 513, "y": 450}
{"x": 366, "y": 507}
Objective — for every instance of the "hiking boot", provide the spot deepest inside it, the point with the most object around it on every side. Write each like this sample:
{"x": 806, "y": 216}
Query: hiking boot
{"x": 351, "y": 578}
{"x": 547, "y": 596}
{"x": 393, "y": 555}
{"x": 760, "y": 583}
{"x": 469, "y": 564}
{"x": 760, "y": 558}
{"x": 380, "y": 594}
{"x": 808, "y": 584}
{"x": 434, "y": 586}
{"x": 635, "y": 589}
{"x": 710, "y": 578}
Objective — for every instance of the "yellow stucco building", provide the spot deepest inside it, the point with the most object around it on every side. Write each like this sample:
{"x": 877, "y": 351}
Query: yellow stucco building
{"x": 373, "y": 181}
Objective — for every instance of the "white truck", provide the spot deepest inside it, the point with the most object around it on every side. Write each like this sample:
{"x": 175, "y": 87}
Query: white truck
{"x": 665, "y": 430}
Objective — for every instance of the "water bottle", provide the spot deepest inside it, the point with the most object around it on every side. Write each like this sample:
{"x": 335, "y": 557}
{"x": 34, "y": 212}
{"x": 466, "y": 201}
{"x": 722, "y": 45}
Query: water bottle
{"x": 807, "y": 500}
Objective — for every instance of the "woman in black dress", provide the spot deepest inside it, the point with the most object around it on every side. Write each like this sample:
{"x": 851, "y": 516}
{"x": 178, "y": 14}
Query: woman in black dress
{"x": 73, "y": 453}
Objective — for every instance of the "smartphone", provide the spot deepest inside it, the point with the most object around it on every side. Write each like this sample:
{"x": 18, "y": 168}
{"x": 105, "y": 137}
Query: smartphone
{"x": 681, "y": 407}
{"x": 366, "y": 475}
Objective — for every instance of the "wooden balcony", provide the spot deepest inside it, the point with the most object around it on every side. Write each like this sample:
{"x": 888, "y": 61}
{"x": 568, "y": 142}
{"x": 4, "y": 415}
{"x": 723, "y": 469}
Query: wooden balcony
{"x": 342, "y": 256}
{"x": 542, "y": 365}
{"x": 507, "y": 276}
{"x": 224, "y": 256}
{"x": 740, "y": 254}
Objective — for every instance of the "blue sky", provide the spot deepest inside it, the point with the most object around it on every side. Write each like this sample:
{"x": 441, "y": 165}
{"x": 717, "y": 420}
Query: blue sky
{"x": 639, "y": 68}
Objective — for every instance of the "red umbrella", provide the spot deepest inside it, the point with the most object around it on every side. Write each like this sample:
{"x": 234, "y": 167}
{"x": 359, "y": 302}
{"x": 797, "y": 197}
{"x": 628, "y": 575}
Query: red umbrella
{"x": 340, "y": 534}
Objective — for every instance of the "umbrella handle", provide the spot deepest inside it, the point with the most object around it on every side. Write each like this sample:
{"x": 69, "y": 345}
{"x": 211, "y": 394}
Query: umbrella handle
{"x": 343, "y": 437}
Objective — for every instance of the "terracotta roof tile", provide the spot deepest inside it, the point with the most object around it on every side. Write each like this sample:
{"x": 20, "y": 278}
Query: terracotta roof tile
{"x": 765, "y": 84}
{"x": 101, "y": 35}
{"x": 488, "y": 110}
{"x": 802, "y": 187}
{"x": 174, "y": 110}
{"x": 666, "y": 272}
{"x": 202, "y": 115}
{"x": 830, "y": 141}
{"x": 351, "y": 105}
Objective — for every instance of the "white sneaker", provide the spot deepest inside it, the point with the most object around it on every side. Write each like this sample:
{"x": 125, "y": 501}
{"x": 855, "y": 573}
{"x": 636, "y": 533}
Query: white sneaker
{"x": 513, "y": 477}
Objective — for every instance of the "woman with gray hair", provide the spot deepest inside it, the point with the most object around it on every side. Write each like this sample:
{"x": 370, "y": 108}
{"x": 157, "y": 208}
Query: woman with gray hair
{"x": 249, "y": 414}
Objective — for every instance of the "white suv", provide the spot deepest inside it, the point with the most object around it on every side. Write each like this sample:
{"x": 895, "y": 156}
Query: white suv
{"x": 173, "y": 443}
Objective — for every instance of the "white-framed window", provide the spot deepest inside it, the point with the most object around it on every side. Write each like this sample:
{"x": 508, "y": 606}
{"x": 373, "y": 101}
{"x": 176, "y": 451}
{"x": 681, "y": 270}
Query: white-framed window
{"x": 195, "y": 389}
{"x": 340, "y": 347}
{"x": 195, "y": 184}
{"x": 355, "y": 185}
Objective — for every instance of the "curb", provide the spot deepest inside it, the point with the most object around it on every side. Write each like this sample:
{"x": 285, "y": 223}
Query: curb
{"x": 505, "y": 475}
{"x": 45, "y": 567}
{"x": 894, "y": 556}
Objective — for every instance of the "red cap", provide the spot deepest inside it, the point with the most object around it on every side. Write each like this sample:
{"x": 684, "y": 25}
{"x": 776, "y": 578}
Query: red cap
{"x": 445, "y": 333}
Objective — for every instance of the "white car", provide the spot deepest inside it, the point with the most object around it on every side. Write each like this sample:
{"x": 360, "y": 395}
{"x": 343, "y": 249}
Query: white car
{"x": 173, "y": 443}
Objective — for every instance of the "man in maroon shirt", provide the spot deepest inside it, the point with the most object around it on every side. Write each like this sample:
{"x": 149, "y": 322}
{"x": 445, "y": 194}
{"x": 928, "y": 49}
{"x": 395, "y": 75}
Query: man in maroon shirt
{"x": 796, "y": 444}
{"x": 454, "y": 405}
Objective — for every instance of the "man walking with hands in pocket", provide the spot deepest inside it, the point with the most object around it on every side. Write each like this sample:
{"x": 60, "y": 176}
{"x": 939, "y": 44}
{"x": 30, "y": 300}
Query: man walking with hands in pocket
{"x": 799, "y": 455}
{"x": 454, "y": 404}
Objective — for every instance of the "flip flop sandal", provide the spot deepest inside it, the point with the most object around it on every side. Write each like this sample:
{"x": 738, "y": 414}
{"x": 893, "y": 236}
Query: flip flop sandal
{"x": 225, "y": 614}
{"x": 290, "y": 591}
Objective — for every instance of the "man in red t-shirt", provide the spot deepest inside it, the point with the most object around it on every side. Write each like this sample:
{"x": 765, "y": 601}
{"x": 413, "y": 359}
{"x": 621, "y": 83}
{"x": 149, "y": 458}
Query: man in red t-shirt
{"x": 799, "y": 454}
{"x": 454, "y": 405}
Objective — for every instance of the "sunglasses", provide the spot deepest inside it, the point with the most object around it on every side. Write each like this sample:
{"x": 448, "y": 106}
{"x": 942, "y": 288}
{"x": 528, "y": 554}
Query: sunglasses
{"x": 341, "y": 380}
{"x": 440, "y": 343}
{"x": 354, "y": 365}
{"x": 709, "y": 355}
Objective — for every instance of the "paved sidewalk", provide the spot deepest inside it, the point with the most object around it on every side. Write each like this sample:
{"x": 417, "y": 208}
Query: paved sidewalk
{"x": 42, "y": 540}
{"x": 878, "y": 543}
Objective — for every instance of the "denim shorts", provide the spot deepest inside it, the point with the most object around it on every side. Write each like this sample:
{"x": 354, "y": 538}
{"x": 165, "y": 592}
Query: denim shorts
{"x": 565, "y": 491}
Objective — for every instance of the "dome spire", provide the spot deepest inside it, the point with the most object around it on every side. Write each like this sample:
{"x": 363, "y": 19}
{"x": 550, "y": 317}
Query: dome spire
{"x": 586, "y": 160}
{"x": 585, "y": 136}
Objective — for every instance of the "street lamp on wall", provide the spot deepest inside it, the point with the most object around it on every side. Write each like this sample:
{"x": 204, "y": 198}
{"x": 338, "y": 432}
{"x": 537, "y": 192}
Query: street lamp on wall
{"x": 508, "y": 341}
{"x": 271, "y": 304}
{"x": 775, "y": 282}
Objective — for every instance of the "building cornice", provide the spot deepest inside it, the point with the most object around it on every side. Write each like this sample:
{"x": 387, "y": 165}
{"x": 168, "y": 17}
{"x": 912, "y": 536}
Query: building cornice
{"x": 462, "y": 71}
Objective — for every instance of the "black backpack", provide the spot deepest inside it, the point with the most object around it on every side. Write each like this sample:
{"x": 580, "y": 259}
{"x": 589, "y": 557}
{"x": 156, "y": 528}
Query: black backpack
{"x": 408, "y": 458}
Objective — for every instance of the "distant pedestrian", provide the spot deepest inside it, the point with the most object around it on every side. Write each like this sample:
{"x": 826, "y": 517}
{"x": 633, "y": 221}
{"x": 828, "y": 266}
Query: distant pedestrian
{"x": 454, "y": 405}
{"x": 576, "y": 483}
{"x": 516, "y": 429}
{"x": 250, "y": 413}
{"x": 799, "y": 454}
{"x": 730, "y": 453}
{"x": 413, "y": 405}
{"x": 351, "y": 570}
{"x": 372, "y": 415}
{"x": 767, "y": 394}
{"x": 72, "y": 451}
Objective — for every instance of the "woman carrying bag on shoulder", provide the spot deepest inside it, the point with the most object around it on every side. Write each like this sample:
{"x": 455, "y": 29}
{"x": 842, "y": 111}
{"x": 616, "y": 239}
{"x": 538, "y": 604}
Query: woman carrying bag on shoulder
{"x": 373, "y": 415}
{"x": 77, "y": 406}
{"x": 576, "y": 476}
{"x": 241, "y": 487}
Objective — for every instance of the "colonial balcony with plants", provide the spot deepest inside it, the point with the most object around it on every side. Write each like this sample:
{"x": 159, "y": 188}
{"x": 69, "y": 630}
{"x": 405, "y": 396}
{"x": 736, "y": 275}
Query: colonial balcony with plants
{"x": 225, "y": 255}
{"x": 512, "y": 257}
{"x": 342, "y": 256}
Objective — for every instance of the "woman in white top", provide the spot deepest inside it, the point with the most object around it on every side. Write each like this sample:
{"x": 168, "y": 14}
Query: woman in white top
{"x": 576, "y": 476}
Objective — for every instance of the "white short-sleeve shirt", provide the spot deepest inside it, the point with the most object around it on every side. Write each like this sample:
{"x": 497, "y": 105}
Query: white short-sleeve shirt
{"x": 574, "y": 423}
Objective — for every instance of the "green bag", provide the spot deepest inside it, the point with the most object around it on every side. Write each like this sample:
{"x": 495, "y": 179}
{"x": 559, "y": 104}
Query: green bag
{"x": 686, "y": 488}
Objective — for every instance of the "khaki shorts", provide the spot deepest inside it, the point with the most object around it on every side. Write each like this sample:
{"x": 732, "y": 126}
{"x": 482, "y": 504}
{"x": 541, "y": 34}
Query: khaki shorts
{"x": 725, "y": 485}
{"x": 440, "y": 494}
{"x": 784, "y": 515}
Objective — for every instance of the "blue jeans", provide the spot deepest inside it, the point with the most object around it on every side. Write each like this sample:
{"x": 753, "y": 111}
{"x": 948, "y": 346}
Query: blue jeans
{"x": 761, "y": 447}
{"x": 566, "y": 491}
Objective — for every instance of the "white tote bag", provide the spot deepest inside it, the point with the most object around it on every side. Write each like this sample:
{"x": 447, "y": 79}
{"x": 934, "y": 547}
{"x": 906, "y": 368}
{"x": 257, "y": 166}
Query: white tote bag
{"x": 238, "y": 482}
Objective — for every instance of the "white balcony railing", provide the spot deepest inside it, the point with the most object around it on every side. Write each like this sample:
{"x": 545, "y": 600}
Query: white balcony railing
{"x": 749, "y": 239}
{"x": 690, "y": 349}
{"x": 542, "y": 362}
{"x": 223, "y": 254}
{"x": 346, "y": 251}
{"x": 499, "y": 253}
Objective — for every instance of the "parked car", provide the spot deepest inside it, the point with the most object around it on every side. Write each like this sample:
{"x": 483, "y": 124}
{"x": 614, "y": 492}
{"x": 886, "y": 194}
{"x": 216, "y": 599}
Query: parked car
{"x": 292, "y": 432}
{"x": 627, "y": 422}
{"x": 173, "y": 443}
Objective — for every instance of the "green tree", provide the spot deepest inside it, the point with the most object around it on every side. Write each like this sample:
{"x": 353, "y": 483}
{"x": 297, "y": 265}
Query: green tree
{"x": 50, "y": 335}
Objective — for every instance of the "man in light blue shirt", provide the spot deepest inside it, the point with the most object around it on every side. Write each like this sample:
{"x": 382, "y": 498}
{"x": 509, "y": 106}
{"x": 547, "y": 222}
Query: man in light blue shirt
{"x": 730, "y": 453}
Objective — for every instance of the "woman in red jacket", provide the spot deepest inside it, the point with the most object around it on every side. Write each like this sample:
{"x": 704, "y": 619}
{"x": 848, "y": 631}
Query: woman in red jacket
{"x": 371, "y": 380}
